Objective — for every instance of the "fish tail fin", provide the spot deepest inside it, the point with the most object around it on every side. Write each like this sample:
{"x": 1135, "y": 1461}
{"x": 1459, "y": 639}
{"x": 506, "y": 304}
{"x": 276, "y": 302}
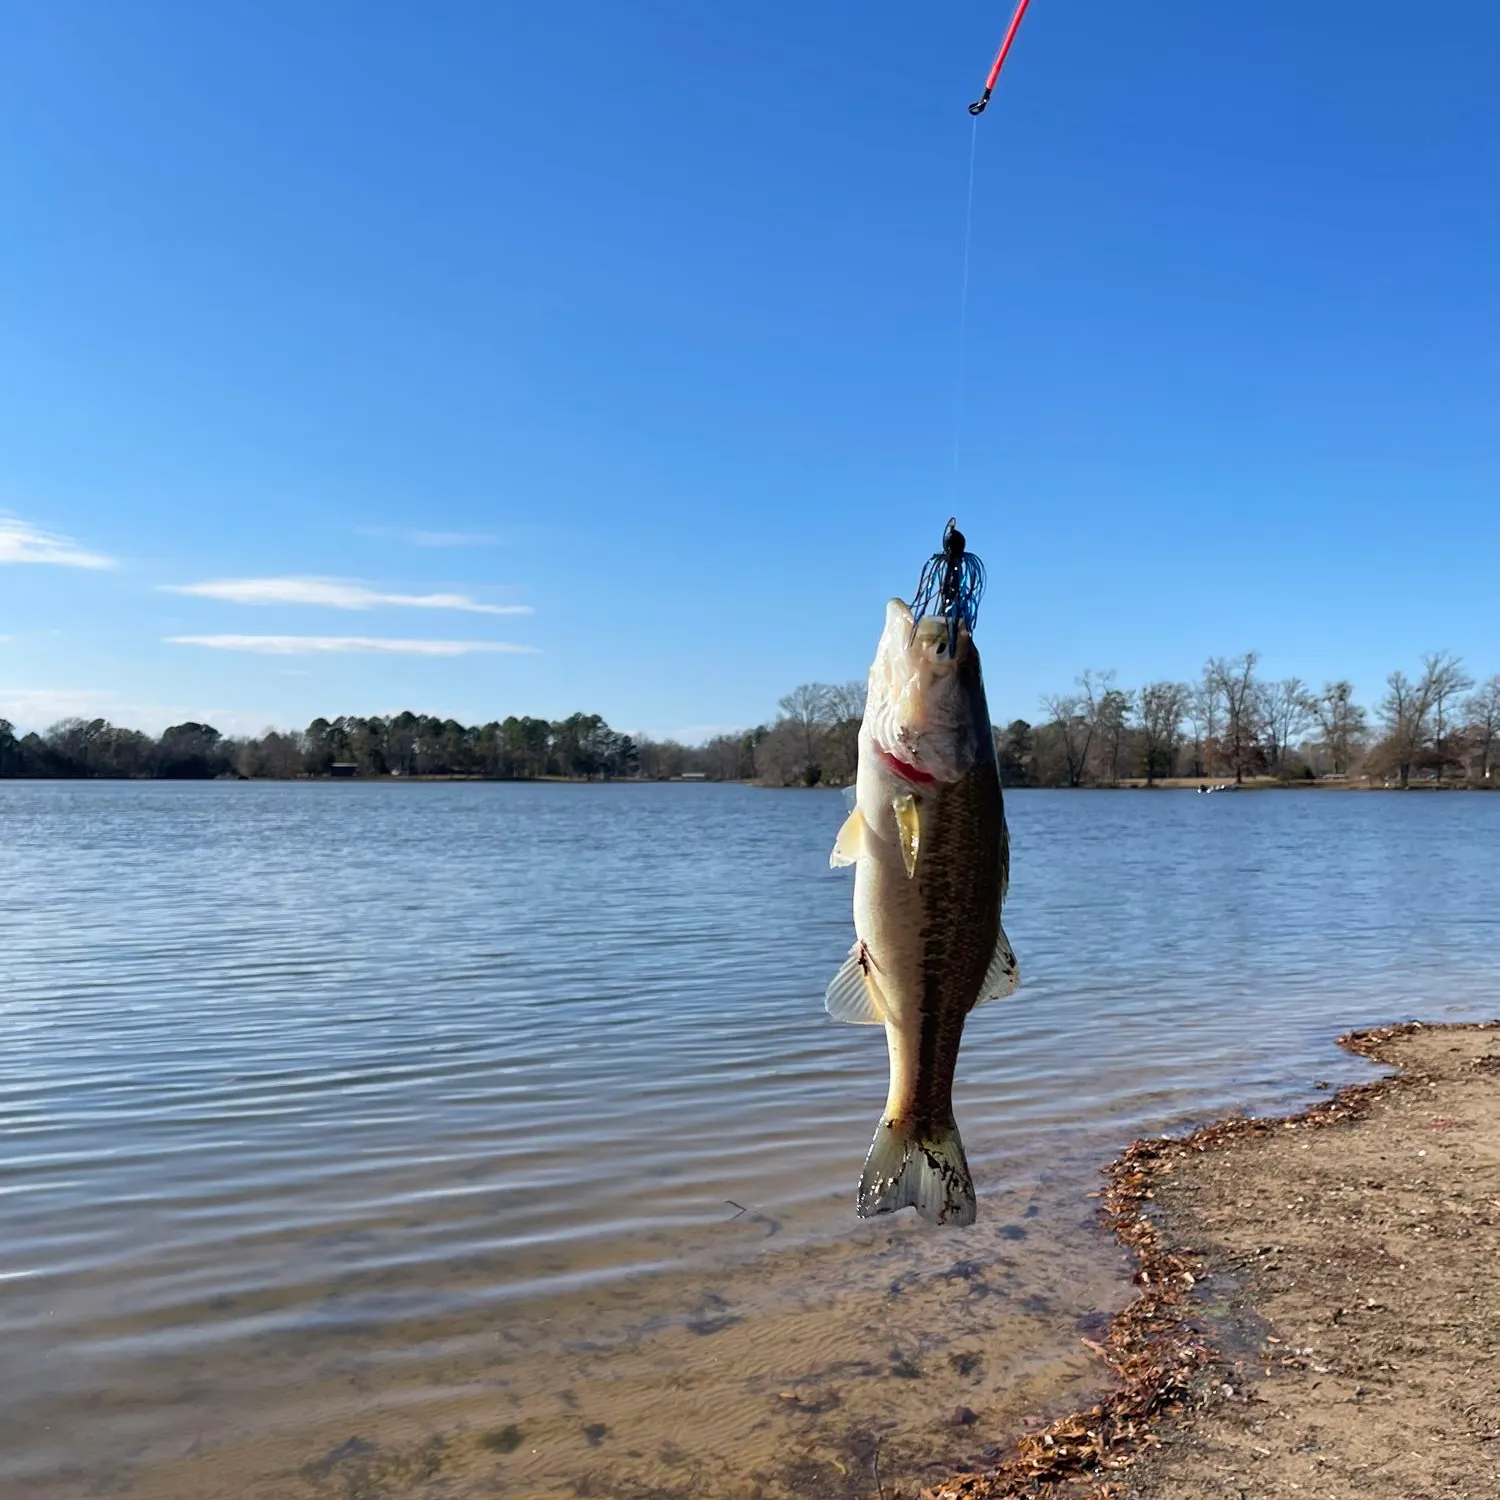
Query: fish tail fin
{"x": 924, "y": 1170}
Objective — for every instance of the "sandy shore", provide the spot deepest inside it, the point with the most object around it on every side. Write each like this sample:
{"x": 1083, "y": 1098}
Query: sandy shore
{"x": 1319, "y": 1309}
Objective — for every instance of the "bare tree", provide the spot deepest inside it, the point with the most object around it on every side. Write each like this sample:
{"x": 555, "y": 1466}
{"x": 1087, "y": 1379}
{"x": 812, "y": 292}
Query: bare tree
{"x": 781, "y": 757}
{"x": 1286, "y": 710}
{"x": 1482, "y": 718}
{"x": 1075, "y": 731}
{"x": 1233, "y": 681}
{"x": 1342, "y": 722}
{"x": 845, "y": 709}
{"x": 660, "y": 760}
{"x": 1112, "y": 719}
{"x": 846, "y": 700}
{"x": 1406, "y": 710}
{"x": 1443, "y": 678}
{"x": 1091, "y": 688}
{"x": 731, "y": 757}
{"x": 1202, "y": 709}
{"x": 805, "y": 709}
{"x": 1160, "y": 707}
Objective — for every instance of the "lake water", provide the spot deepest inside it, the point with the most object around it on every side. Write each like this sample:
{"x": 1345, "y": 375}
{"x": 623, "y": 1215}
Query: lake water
{"x": 491, "y": 1139}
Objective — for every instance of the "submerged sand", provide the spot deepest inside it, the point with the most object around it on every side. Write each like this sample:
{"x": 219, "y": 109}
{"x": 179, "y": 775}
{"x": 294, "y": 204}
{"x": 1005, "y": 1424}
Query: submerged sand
{"x": 798, "y": 1373}
{"x": 1316, "y": 1315}
{"x": 1319, "y": 1310}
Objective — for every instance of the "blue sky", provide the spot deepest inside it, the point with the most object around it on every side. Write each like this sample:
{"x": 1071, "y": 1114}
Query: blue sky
{"x": 338, "y": 331}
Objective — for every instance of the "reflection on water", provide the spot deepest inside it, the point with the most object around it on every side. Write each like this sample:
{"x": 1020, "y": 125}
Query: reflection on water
{"x": 357, "y": 1139}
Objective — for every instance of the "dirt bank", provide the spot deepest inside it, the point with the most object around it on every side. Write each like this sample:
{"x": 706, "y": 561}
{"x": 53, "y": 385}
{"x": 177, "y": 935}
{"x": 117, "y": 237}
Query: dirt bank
{"x": 1320, "y": 1301}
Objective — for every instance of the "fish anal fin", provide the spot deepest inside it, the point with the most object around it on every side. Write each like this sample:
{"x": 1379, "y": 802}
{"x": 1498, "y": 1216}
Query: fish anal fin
{"x": 1003, "y": 974}
{"x": 850, "y": 843}
{"x": 853, "y": 995}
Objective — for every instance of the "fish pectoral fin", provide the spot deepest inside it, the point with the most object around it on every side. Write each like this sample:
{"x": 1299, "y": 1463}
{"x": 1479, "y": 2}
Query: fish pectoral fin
{"x": 850, "y": 843}
{"x": 909, "y": 829}
{"x": 1003, "y": 974}
{"x": 926, "y": 1171}
{"x": 853, "y": 995}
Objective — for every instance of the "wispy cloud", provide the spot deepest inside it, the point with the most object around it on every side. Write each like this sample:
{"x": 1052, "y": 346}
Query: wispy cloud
{"x": 39, "y": 708}
{"x": 299, "y": 645}
{"x": 332, "y": 593}
{"x": 430, "y": 538}
{"x": 23, "y": 543}
{"x": 690, "y": 734}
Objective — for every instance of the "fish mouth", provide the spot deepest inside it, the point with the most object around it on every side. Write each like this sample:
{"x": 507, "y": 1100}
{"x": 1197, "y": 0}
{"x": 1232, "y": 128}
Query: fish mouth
{"x": 905, "y": 769}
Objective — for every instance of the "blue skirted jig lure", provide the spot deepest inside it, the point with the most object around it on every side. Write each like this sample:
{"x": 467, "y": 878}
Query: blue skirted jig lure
{"x": 951, "y": 585}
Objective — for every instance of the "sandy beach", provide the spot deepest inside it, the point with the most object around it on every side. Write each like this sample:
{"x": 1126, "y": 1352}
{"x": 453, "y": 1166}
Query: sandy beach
{"x": 1318, "y": 1313}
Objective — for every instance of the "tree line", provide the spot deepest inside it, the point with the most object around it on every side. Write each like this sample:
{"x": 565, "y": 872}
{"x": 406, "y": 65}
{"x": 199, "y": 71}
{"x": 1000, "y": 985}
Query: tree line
{"x": 581, "y": 746}
{"x": 1437, "y": 727}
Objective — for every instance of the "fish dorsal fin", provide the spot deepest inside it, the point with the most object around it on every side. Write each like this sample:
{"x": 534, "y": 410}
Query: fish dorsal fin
{"x": 853, "y": 995}
{"x": 850, "y": 843}
{"x": 909, "y": 827}
{"x": 1003, "y": 974}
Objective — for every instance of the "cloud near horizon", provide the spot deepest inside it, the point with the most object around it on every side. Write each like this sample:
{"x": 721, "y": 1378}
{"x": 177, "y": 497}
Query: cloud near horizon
{"x": 40, "y": 708}
{"x": 21, "y": 542}
{"x": 691, "y": 734}
{"x": 332, "y": 593}
{"x": 297, "y": 645}
{"x": 46, "y": 705}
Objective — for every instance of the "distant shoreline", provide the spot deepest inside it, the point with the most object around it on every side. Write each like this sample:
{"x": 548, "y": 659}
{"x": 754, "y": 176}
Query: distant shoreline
{"x": 1198, "y": 784}
{"x": 1090, "y": 741}
{"x": 1278, "y": 784}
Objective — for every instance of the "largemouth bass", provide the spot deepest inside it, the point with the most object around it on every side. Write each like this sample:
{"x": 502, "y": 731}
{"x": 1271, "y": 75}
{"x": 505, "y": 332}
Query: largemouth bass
{"x": 931, "y": 857}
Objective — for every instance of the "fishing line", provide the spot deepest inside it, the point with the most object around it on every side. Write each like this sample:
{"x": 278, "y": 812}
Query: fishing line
{"x": 963, "y": 310}
{"x": 952, "y": 581}
{"x": 976, "y": 109}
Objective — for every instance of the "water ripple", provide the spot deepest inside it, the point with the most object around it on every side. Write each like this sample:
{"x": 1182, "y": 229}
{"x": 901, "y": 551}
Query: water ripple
{"x": 333, "y": 1062}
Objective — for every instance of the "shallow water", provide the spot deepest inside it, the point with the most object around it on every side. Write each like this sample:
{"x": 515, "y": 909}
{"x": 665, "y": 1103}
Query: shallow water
{"x": 394, "y": 1139}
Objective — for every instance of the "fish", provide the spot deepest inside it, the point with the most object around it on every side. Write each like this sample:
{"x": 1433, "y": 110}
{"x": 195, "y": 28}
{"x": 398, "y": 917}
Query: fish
{"x": 928, "y": 841}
